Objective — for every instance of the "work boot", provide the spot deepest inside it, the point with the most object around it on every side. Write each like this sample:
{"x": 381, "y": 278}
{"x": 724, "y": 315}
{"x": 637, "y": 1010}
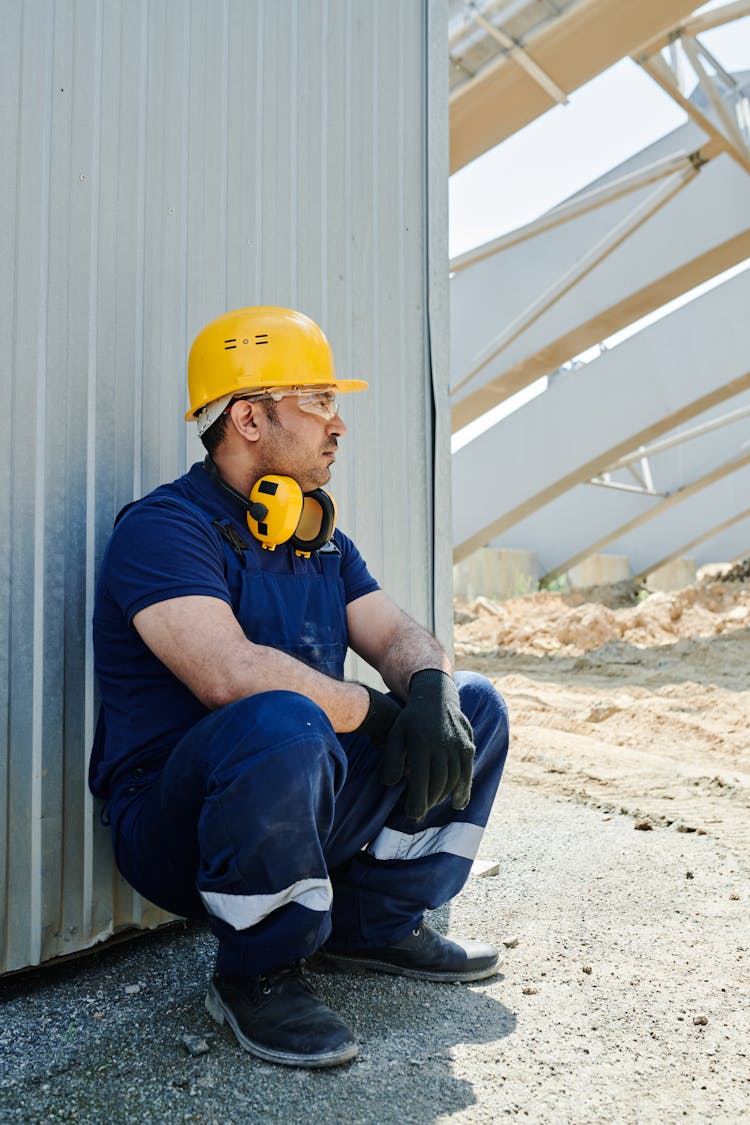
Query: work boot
{"x": 278, "y": 1017}
{"x": 424, "y": 954}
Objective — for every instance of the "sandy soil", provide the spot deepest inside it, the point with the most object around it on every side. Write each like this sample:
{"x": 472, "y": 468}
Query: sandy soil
{"x": 626, "y": 702}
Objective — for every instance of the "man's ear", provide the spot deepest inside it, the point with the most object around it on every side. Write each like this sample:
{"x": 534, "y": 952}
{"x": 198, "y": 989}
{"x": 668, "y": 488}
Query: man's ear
{"x": 244, "y": 416}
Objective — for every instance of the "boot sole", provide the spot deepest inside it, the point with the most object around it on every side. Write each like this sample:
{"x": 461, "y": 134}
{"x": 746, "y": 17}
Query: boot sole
{"x": 337, "y": 963}
{"x": 218, "y": 1011}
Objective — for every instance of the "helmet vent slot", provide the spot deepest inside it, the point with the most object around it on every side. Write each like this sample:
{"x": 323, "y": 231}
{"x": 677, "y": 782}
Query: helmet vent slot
{"x": 229, "y": 344}
{"x": 261, "y": 338}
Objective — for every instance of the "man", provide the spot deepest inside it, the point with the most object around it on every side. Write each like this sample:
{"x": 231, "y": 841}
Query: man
{"x": 245, "y": 779}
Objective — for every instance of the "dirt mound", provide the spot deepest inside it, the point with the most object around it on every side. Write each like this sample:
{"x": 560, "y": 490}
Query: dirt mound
{"x": 569, "y": 624}
{"x": 638, "y": 710}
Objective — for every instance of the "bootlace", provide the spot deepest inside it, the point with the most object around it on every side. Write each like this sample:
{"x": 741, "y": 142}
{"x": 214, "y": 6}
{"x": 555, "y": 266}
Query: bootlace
{"x": 282, "y": 975}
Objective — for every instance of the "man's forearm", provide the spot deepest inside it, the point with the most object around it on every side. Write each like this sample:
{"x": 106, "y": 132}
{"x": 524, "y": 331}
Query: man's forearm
{"x": 345, "y": 703}
{"x": 411, "y": 650}
{"x": 200, "y": 641}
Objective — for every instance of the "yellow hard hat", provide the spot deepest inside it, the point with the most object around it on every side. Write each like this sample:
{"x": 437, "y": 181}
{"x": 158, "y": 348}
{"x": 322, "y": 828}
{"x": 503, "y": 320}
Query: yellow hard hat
{"x": 251, "y": 349}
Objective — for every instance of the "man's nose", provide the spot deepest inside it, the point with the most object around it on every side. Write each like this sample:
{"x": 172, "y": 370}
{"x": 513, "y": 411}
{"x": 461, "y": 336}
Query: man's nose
{"x": 337, "y": 426}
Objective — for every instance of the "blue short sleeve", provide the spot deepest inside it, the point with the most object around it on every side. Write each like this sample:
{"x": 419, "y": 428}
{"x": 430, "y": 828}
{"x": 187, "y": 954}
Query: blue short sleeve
{"x": 354, "y": 573}
{"x": 178, "y": 554}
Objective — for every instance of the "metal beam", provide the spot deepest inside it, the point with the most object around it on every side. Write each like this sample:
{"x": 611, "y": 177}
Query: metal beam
{"x": 690, "y": 546}
{"x": 570, "y": 524}
{"x": 592, "y": 258}
{"x": 658, "y": 68}
{"x": 583, "y": 203}
{"x": 704, "y": 230}
{"x": 588, "y": 419}
{"x": 678, "y": 439}
{"x": 732, "y": 131}
{"x": 717, "y": 18}
{"x": 615, "y": 537}
{"x": 617, "y": 486}
{"x": 698, "y": 24}
{"x": 519, "y": 55}
{"x": 573, "y": 47}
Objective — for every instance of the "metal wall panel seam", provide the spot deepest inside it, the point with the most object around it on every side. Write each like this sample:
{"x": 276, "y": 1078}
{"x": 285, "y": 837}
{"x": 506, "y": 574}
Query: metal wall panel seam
{"x": 68, "y": 324}
{"x": 294, "y": 184}
{"x": 241, "y": 79}
{"x": 259, "y": 114}
{"x": 38, "y": 597}
{"x": 69, "y": 187}
{"x": 312, "y": 153}
{"x": 10, "y": 103}
{"x": 139, "y": 320}
{"x": 412, "y": 230}
{"x": 438, "y": 309}
{"x": 175, "y": 457}
{"x": 419, "y": 439}
{"x": 92, "y": 352}
{"x": 348, "y": 92}
{"x": 404, "y": 70}
{"x": 364, "y": 472}
{"x": 225, "y": 168}
{"x": 206, "y": 173}
{"x": 374, "y": 328}
{"x": 325, "y": 149}
{"x": 424, "y": 455}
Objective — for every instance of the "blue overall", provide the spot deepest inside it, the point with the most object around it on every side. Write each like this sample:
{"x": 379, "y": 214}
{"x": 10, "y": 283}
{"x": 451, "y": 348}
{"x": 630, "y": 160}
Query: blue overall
{"x": 278, "y": 829}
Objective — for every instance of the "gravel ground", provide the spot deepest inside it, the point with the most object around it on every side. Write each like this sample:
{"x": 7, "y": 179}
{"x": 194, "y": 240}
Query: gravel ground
{"x": 623, "y": 998}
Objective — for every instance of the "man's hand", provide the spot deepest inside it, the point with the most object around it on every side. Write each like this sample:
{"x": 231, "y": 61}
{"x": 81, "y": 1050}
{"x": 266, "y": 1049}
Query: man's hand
{"x": 431, "y": 743}
{"x": 381, "y": 715}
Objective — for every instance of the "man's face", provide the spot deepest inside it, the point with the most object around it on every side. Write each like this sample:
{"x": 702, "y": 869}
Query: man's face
{"x": 299, "y": 445}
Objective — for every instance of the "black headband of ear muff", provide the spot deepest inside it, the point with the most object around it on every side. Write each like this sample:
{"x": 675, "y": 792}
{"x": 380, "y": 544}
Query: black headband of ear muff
{"x": 324, "y": 516}
{"x": 257, "y": 510}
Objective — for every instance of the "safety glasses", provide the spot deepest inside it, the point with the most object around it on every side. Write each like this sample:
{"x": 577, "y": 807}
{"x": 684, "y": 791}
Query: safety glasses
{"x": 322, "y": 402}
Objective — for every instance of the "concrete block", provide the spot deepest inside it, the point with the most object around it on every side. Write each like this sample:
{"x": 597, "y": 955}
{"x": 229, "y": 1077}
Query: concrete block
{"x": 599, "y": 570}
{"x": 672, "y": 576}
{"x": 496, "y": 573}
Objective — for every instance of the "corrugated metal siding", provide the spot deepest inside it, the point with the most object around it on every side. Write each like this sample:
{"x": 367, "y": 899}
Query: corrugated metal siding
{"x": 175, "y": 159}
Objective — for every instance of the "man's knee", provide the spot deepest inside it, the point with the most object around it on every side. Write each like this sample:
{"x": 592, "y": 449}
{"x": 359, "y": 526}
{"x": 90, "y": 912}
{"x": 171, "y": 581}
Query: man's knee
{"x": 480, "y": 697}
{"x": 237, "y": 738}
{"x": 279, "y": 717}
{"x": 269, "y": 719}
{"x": 485, "y": 709}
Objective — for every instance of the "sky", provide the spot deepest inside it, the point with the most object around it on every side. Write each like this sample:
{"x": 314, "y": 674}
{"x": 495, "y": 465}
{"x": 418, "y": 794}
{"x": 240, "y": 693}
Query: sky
{"x": 606, "y": 121}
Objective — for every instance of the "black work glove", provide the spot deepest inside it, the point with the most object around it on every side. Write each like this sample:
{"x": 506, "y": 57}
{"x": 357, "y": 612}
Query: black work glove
{"x": 432, "y": 744}
{"x": 380, "y": 717}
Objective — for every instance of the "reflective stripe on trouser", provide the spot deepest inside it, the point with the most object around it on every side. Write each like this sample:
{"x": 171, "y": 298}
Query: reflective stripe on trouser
{"x": 280, "y": 831}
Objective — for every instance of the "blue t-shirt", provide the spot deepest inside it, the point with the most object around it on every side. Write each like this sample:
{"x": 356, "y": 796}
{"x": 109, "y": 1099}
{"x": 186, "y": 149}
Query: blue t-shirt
{"x": 176, "y": 542}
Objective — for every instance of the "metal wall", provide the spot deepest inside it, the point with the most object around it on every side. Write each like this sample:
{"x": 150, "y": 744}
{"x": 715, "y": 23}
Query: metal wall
{"x": 163, "y": 161}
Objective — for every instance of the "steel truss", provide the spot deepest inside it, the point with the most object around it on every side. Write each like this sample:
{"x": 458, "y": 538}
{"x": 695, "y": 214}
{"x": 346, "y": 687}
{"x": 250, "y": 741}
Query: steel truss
{"x": 731, "y": 108}
{"x": 645, "y": 483}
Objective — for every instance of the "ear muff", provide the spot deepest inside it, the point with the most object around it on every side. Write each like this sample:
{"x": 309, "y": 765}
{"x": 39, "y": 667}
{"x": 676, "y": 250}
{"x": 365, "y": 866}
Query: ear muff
{"x": 317, "y": 522}
{"x": 278, "y": 511}
{"x": 274, "y": 510}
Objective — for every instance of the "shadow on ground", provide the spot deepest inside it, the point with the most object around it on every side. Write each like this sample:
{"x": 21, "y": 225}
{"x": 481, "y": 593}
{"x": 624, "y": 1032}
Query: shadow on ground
{"x": 101, "y": 1039}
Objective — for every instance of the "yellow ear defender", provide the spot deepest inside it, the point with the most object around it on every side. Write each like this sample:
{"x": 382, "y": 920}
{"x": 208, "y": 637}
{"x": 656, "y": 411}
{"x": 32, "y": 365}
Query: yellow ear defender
{"x": 278, "y": 511}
